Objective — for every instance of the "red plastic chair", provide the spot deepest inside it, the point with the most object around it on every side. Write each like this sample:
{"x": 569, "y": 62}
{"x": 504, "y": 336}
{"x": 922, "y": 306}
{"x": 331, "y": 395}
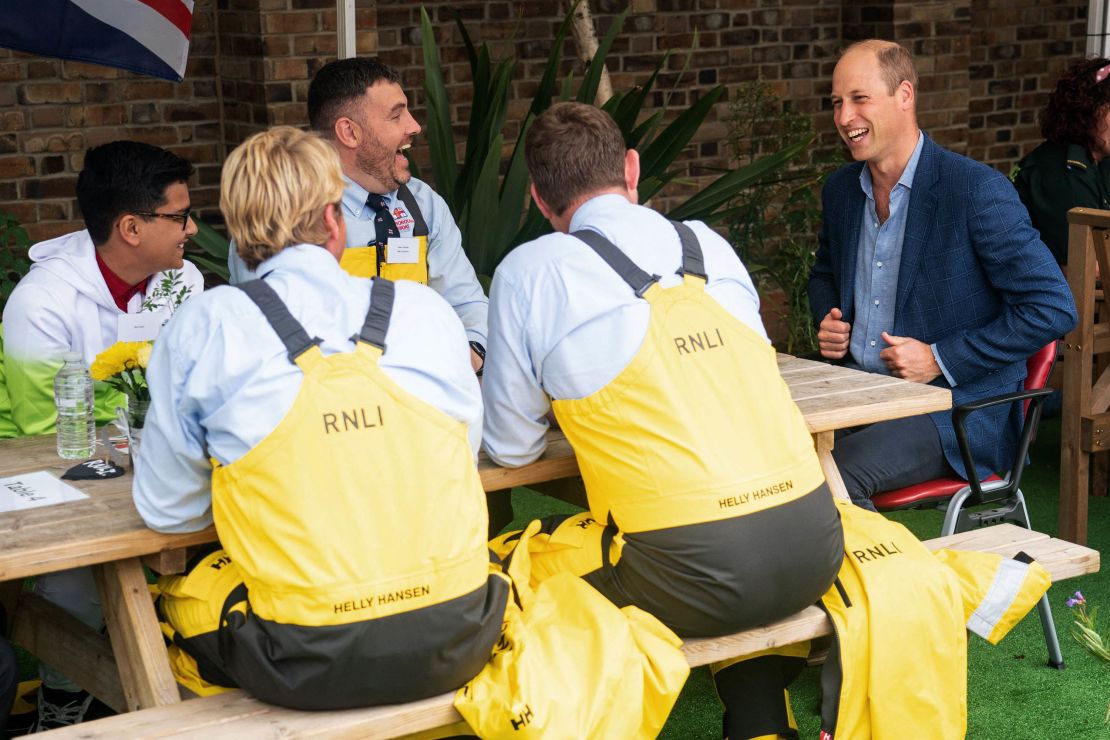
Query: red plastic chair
{"x": 1003, "y": 496}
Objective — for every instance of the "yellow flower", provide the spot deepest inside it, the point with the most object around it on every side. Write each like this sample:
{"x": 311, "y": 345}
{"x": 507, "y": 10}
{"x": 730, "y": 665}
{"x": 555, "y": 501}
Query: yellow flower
{"x": 119, "y": 357}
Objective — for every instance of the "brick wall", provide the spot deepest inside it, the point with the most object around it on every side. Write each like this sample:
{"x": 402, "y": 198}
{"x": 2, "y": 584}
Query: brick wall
{"x": 52, "y": 110}
{"x": 791, "y": 45}
{"x": 986, "y": 66}
{"x": 1018, "y": 49}
{"x": 937, "y": 33}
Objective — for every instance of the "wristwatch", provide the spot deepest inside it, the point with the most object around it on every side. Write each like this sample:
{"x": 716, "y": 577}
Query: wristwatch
{"x": 481, "y": 352}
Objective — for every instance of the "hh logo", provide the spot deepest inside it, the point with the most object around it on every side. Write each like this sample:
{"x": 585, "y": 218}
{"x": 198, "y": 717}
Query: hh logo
{"x": 522, "y": 720}
{"x": 220, "y": 562}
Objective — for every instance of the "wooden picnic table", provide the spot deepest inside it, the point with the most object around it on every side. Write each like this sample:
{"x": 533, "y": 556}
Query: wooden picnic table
{"x": 105, "y": 531}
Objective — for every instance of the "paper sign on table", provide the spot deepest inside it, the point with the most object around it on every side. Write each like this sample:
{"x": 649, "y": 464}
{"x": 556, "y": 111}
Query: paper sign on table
{"x": 30, "y": 490}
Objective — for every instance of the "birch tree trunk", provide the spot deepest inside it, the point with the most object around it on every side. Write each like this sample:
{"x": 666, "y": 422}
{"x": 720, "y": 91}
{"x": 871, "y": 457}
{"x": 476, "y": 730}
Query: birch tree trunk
{"x": 585, "y": 37}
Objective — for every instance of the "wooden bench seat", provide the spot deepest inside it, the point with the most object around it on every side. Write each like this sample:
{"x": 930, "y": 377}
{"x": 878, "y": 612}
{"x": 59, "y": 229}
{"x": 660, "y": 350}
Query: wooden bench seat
{"x": 234, "y": 714}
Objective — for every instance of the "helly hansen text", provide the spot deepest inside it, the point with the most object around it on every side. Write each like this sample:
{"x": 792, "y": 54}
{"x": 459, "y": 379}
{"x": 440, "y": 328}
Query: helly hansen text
{"x": 703, "y": 340}
{"x": 741, "y": 499}
{"x": 346, "y": 421}
{"x": 379, "y": 599}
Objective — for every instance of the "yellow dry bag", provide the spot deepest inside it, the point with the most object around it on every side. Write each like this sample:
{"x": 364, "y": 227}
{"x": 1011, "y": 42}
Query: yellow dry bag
{"x": 570, "y": 664}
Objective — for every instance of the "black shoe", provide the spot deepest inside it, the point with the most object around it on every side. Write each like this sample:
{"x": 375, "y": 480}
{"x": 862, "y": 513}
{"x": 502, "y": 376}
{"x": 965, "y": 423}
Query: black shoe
{"x": 58, "y": 708}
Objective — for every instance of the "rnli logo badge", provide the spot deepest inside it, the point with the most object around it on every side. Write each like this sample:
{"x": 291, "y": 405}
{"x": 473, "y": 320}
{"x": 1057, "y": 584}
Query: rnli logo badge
{"x": 402, "y": 218}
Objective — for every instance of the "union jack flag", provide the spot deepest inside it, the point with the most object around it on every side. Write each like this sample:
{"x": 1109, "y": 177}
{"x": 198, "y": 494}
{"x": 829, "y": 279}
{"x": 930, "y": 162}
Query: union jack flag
{"x": 150, "y": 37}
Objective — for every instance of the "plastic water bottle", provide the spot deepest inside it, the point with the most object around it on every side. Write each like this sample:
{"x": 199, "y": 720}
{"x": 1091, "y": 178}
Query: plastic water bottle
{"x": 73, "y": 396}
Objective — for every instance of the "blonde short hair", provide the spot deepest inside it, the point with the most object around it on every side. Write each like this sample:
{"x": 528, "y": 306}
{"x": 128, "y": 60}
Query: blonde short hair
{"x": 273, "y": 191}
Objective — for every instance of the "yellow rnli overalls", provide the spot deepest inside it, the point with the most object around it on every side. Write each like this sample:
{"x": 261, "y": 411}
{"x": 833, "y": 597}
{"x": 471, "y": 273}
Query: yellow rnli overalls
{"x": 707, "y": 504}
{"x": 901, "y": 613}
{"x": 355, "y": 569}
{"x": 373, "y": 260}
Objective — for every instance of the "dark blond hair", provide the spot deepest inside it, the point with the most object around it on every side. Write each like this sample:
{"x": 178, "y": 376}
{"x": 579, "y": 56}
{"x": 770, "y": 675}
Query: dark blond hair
{"x": 273, "y": 191}
{"x": 573, "y": 150}
{"x": 895, "y": 62}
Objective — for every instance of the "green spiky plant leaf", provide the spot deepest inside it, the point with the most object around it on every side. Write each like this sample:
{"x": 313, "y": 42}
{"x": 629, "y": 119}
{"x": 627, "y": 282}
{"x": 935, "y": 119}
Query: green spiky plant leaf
{"x": 488, "y": 192}
{"x": 208, "y": 250}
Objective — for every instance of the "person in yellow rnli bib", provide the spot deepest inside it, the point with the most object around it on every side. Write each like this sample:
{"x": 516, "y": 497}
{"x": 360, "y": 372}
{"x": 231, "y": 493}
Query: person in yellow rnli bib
{"x": 328, "y": 425}
{"x": 708, "y": 507}
{"x": 397, "y": 226}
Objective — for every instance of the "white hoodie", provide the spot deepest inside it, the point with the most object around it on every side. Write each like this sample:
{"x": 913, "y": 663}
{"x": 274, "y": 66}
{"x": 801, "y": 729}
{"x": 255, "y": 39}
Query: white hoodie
{"x": 64, "y": 305}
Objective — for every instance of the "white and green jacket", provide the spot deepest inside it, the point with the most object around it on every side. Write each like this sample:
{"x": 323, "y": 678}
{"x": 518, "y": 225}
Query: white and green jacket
{"x": 64, "y": 305}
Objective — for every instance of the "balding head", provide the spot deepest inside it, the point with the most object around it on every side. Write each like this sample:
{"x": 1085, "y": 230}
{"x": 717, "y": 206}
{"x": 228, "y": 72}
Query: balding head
{"x": 895, "y": 63}
{"x": 874, "y": 98}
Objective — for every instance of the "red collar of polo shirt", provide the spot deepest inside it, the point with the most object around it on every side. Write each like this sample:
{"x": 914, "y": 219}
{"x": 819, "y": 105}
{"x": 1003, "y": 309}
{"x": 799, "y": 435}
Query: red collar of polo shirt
{"x": 121, "y": 291}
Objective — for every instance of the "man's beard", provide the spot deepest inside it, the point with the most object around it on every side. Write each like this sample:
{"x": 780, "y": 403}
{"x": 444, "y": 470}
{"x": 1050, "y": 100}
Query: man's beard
{"x": 382, "y": 170}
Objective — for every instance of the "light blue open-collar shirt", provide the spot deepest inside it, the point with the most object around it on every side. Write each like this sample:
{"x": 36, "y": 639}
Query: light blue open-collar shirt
{"x": 449, "y": 271}
{"x": 878, "y": 262}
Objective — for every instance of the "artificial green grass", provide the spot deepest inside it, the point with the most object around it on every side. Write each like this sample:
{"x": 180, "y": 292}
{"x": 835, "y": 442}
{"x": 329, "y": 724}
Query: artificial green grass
{"x": 1012, "y": 693}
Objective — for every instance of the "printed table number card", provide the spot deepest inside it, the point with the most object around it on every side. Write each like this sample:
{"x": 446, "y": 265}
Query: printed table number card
{"x": 18, "y": 492}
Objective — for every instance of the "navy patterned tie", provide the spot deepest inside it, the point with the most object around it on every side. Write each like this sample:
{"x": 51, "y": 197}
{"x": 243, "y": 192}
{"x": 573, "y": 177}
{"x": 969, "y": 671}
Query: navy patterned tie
{"x": 384, "y": 225}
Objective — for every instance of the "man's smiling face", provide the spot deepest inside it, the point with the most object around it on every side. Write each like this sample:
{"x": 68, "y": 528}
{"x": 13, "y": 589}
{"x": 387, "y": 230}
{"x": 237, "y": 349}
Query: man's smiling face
{"x": 875, "y": 123}
{"x": 162, "y": 242}
{"x": 388, "y": 128}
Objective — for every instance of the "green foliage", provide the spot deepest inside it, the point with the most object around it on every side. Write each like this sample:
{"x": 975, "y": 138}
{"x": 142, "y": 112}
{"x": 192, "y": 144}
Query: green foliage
{"x": 14, "y": 262}
{"x": 773, "y": 223}
{"x": 487, "y": 193}
{"x": 208, "y": 250}
{"x": 1085, "y": 631}
{"x": 170, "y": 292}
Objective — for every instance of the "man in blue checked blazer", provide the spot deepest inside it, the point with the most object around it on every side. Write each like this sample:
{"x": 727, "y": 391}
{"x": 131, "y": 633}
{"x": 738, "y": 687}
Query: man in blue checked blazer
{"x": 927, "y": 269}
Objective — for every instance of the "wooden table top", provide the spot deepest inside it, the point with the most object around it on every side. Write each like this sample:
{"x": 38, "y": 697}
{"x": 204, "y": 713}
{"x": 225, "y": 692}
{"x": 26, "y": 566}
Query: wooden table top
{"x": 106, "y": 527}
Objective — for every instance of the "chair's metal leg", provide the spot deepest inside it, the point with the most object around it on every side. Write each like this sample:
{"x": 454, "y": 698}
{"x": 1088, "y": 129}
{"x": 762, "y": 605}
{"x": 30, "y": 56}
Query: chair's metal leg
{"x": 1055, "y": 657}
{"x": 952, "y": 514}
{"x": 1022, "y": 509}
{"x": 1044, "y": 610}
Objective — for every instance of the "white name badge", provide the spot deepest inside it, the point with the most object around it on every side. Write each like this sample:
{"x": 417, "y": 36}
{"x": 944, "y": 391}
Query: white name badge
{"x": 140, "y": 327}
{"x": 403, "y": 250}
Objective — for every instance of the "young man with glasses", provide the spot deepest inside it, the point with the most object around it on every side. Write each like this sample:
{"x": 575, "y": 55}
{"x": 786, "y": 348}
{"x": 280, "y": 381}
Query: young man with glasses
{"x": 119, "y": 279}
{"x": 89, "y": 289}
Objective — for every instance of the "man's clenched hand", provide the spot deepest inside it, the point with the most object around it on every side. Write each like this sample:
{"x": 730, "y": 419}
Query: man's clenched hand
{"x": 833, "y": 335}
{"x": 909, "y": 358}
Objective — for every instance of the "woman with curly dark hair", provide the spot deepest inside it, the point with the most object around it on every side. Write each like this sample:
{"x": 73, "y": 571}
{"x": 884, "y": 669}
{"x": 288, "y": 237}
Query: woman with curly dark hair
{"x": 1072, "y": 167}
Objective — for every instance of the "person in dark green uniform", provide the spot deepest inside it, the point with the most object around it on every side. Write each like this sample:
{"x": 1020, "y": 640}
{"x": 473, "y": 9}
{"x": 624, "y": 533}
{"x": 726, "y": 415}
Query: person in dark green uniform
{"x": 1071, "y": 168}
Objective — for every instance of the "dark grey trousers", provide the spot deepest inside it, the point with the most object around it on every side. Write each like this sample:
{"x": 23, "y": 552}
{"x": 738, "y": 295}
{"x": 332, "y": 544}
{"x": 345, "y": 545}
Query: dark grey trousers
{"x": 888, "y": 455}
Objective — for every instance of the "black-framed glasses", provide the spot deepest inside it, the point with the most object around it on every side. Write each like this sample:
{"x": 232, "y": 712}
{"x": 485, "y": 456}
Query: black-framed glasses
{"x": 183, "y": 218}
